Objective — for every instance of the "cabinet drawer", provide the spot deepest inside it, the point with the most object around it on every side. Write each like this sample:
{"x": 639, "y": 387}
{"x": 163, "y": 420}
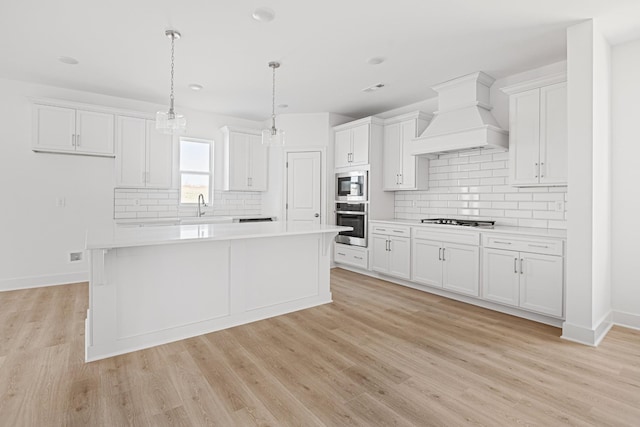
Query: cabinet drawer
{"x": 344, "y": 254}
{"x": 524, "y": 244}
{"x": 391, "y": 230}
{"x": 463, "y": 237}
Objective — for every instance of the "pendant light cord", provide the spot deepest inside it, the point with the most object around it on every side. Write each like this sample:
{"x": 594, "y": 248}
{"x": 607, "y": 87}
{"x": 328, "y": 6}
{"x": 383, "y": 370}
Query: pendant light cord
{"x": 173, "y": 39}
{"x": 273, "y": 100}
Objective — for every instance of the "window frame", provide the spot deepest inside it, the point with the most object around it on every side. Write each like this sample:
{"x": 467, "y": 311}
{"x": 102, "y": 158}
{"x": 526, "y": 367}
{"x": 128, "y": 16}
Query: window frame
{"x": 181, "y": 171}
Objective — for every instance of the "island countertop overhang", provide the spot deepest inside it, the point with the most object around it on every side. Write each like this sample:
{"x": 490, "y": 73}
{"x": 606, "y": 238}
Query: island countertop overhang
{"x": 122, "y": 237}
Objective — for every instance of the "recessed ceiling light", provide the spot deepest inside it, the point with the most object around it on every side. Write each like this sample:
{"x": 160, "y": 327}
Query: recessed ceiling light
{"x": 375, "y": 60}
{"x": 68, "y": 60}
{"x": 373, "y": 88}
{"x": 263, "y": 14}
{"x": 283, "y": 105}
{"x": 195, "y": 87}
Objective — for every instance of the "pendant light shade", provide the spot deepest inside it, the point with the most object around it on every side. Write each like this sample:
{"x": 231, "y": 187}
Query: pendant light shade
{"x": 273, "y": 136}
{"x": 170, "y": 122}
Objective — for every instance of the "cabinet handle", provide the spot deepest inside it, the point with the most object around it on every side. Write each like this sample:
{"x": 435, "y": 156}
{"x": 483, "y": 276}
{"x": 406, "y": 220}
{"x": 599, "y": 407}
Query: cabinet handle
{"x": 439, "y": 254}
{"x": 538, "y": 246}
{"x": 389, "y": 245}
{"x": 515, "y": 265}
{"x": 443, "y": 254}
{"x": 381, "y": 229}
{"x": 340, "y": 253}
{"x": 502, "y": 243}
{"x": 77, "y": 140}
{"x": 400, "y": 178}
{"x": 535, "y": 170}
{"x": 73, "y": 139}
{"x": 521, "y": 271}
{"x": 358, "y": 257}
{"x": 398, "y": 231}
{"x": 541, "y": 170}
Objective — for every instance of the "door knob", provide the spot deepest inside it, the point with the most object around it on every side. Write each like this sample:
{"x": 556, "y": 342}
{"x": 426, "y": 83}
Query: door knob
{"x": 317, "y": 215}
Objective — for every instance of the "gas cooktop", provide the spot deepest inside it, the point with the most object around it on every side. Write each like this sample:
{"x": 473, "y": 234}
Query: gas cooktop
{"x": 462, "y": 222}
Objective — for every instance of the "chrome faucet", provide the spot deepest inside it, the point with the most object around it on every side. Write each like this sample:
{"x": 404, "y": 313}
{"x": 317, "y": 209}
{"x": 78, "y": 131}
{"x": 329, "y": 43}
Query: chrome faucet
{"x": 201, "y": 204}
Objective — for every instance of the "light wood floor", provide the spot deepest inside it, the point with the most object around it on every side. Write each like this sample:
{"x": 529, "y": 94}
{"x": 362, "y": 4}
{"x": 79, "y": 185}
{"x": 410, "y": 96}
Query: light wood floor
{"x": 380, "y": 354}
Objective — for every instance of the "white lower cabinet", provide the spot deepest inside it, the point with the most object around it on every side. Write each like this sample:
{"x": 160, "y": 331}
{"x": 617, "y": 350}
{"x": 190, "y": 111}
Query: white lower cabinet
{"x": 351, "y": 255}
{"x": 446, "y": 265}
{"x": 391, "y": 250}
{"x": 530, "y": 281}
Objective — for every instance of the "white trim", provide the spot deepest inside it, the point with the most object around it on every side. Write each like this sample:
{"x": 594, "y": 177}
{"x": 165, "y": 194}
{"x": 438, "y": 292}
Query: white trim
{"x": 367, "y": 120}
{"x": 30, "y": 282}
{"x": 535, "y": 83}
{"x": 627, "y": 320}
{"x": 588, "y": 336}
{"x": 91, "y": 107}
{"x": 419, "y": 115}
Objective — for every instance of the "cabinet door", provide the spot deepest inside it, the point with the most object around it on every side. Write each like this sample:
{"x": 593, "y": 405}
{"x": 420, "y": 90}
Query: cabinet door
{"x": 343, "y": 148}
{"x": 391, "y": 151}
{"x": 360, "y": 144}
{"x": 380, "y": 254}
{"x": 55, "y": 128}
{"x": 130, "y": 152}
{"x": 426, "y": 264}
{"x": 238, "y": 158}
{"x": 500, "y": 276}
{"x": 461, "y": 268}
{"x": 258, "y": 159}
{"x": 524, "y": 137}
{"x": 159, "y": 159}
{"x": 400, "y": 257}
{"x": 94, "y": 132}
{"x": 541, "y": 283}
{"x": 407, "y": 162}
{"x": 553, "y": 134}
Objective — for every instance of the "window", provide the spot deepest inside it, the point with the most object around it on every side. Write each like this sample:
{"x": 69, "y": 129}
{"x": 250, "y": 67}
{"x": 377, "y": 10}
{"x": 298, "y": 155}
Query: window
{"x": 195, "y": 170}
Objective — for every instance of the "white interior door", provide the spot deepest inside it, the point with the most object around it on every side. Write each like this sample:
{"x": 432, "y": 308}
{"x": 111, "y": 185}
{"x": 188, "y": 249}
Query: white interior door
{"x": 303, "y": 186}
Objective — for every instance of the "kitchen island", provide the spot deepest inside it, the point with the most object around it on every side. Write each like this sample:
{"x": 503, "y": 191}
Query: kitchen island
{"x": 154, "y": 285}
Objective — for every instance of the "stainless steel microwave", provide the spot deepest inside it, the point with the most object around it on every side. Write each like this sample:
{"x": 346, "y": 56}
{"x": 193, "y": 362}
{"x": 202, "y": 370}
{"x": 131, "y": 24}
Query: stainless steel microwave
{"x": 352, "y": 186}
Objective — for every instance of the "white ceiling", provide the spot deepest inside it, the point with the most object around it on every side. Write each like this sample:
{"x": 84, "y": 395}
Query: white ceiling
{"x": 322, "y": 45}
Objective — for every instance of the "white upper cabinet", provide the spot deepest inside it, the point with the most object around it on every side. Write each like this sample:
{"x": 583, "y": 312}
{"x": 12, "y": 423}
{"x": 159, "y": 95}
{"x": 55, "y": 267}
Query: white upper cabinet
{"x": 245, "y": 160}
{"x": 353, "y": 143}
{"x": 402, "y": 171}
{"x": 538, "y": 132}
{"x": 143, "y": 155}
{"x": 62, "y": 129}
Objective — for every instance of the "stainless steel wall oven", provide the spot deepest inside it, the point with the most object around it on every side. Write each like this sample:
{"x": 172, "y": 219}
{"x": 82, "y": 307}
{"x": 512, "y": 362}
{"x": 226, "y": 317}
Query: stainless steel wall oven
{"x": 352, "y": 215}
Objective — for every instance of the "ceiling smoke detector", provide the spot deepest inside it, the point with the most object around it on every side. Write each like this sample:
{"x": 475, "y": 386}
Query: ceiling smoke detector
{"x": 373, "y": 88}
{"x": 195, "y": 87}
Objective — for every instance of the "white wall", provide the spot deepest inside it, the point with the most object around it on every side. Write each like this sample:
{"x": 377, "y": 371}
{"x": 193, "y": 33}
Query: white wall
{"x": 588, "y": 285}
{"x": 626, "y": 177}
{"x": 36, "y": 235}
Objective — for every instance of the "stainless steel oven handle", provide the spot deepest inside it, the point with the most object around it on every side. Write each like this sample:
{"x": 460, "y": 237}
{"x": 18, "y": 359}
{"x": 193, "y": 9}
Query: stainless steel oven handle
{"x": 351, "y": 212}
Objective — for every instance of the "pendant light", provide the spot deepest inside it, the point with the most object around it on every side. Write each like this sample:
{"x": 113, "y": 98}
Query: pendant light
{"x": 273, "y": 136}
{"x": 170, "y": 122}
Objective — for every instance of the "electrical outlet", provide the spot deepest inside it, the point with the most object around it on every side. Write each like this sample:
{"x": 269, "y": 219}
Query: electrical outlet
{"x": 414, "y": 203}
{"x": 75, "y": 256}
{"x": 559, "y": 206}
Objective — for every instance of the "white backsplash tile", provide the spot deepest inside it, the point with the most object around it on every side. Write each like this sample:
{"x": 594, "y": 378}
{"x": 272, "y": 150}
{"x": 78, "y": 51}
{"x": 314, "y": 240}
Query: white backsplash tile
{"x": 475, "y": 184}
{"x": 154, "y": 203}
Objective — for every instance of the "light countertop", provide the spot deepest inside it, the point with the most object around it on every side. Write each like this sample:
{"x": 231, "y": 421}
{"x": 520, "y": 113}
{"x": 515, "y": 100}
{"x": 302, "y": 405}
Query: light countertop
{"x": 503, "y": 229}
{"x": 120, "y": 237}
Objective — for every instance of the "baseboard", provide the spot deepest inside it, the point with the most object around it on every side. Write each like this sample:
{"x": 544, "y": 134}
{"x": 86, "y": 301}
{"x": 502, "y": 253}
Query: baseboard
{"x": 627, "y": 320}
{"x": 588, "y": 336}
{"x": 41, "y": 281}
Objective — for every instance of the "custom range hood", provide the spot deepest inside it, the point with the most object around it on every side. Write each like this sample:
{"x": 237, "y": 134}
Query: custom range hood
{"x": 463, "y": 120}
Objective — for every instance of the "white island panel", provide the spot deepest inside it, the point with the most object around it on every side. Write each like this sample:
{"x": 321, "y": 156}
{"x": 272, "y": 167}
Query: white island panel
{"x": 164, "y": 284}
